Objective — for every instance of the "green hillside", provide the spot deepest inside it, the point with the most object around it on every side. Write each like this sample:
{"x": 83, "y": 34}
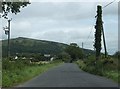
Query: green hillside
{"x": 28, "y": 45}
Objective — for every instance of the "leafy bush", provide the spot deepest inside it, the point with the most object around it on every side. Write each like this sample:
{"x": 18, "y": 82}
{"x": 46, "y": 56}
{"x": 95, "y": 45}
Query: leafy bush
{"x": 107, "y": 67}
{"x": 74, "y": 51}
{"x": 64, "y": 57}
{"x": 18, "y": 71}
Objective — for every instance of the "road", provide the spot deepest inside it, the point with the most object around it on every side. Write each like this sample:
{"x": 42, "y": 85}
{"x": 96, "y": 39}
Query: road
{"x": 68, "y": 75}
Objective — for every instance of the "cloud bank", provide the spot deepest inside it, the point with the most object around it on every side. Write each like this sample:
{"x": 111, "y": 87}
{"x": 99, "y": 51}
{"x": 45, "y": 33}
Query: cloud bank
{"x": 65, "y": 22}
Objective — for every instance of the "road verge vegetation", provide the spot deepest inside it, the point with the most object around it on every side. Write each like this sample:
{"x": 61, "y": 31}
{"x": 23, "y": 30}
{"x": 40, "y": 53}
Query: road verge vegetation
{"x": 107, "y": 67}
{"x": 19, "y": 71}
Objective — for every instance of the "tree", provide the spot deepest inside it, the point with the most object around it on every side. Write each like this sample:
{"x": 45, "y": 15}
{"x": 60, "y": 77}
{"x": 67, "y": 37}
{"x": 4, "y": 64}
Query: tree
{"x": 74, "y": 44}
{"x": 117, "y": 54}
{"x": 64, "y": 56}
{"x": 74, "y": 51}
{"x": 13, "y": 7}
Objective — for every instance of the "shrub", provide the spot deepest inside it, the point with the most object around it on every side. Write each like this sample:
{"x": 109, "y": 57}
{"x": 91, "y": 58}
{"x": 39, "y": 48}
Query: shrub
{"x": 104, "y": 67}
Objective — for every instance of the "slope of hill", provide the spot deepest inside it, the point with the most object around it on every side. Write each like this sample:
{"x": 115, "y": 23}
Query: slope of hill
{"x": 28, "y": 45}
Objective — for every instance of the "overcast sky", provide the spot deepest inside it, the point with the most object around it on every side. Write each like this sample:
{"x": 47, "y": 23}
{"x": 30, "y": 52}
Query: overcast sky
{"x": 65, "y": 22}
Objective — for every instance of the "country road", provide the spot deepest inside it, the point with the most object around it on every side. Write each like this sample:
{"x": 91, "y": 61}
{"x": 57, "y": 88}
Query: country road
{"x": 68, "y": 75}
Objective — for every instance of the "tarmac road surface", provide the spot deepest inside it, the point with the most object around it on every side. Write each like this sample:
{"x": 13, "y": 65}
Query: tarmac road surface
{"x": 68, "y": 75}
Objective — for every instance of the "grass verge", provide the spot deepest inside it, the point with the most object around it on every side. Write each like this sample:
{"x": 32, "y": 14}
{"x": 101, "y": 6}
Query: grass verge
{"x": 17, "y": 72}
{"x": 107, "y": 68}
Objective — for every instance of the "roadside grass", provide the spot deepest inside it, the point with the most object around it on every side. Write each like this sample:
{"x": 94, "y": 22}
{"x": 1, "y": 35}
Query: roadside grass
{"x": 0, "y": 73}
{"x": 14, "y": 73}
{"x": 112, "y": 75}
{"x": 104, "y": 67}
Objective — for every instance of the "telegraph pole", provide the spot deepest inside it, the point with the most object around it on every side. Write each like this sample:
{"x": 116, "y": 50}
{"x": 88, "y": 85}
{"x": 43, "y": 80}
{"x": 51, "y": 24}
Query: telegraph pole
{"x": 82, "y": 45}
{"x": 9, "y": 39}
{"x": 98, "y": 32}
{"x": 82, "y": 50}
{"x": 104, "y": 42}
{"x": 7, "y": 32}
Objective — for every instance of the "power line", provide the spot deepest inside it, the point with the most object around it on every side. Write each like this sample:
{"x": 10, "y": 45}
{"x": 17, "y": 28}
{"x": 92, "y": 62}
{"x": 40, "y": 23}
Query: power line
{"x": 109, "y": 4}
{"x": 89, "y": 33}
{"x": 93, "y": 24}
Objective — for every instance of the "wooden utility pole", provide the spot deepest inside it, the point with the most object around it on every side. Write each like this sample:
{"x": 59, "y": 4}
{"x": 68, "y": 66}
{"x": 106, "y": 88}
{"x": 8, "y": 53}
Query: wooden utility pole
{"x": 104, "y": 42}
{"x": 98, "y": 32}
{"x": 82, "y": 45}
{"x": 9, "y": 39}
{"x": 82, "y": 50}
{"x": 7, "y": 32}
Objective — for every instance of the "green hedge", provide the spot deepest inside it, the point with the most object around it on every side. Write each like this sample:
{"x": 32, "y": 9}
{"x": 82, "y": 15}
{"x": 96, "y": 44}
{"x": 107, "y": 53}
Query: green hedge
{"x": 107, "y": 67}
{"x": 19, "y": 71}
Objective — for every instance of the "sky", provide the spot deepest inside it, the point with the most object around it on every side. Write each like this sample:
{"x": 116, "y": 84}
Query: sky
{"x": 65, "y": 22}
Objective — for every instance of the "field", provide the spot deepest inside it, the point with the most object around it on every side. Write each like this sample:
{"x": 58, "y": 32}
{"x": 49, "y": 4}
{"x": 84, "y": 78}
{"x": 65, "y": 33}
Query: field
{"x": 15, "y": 72}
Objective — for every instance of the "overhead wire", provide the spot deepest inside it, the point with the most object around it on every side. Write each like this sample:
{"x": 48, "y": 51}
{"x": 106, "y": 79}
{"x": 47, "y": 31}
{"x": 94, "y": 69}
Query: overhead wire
{"x": 89, "y": 35}
{"x": 108, "y": 4}
{"x": 94, "y": 23}
{"x": 90, "y": 32}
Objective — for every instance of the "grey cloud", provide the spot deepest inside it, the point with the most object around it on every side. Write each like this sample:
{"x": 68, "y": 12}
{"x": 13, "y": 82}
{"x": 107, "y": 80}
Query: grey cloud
{"x": 63, "y": 22}
{"x": 63, "y": 11}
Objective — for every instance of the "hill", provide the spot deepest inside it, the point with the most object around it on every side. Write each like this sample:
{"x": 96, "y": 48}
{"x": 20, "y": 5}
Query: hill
{"x": 28, "y": 45}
